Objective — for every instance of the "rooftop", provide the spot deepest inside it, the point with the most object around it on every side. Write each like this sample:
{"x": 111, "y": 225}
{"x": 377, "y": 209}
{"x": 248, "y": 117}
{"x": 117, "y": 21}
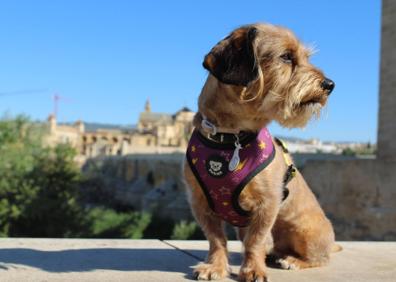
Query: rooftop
{"x": 154, "y": 260}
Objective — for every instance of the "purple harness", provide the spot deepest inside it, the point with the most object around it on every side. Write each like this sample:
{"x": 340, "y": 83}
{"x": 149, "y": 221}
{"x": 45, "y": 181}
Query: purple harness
{"x": 209, "y": 161}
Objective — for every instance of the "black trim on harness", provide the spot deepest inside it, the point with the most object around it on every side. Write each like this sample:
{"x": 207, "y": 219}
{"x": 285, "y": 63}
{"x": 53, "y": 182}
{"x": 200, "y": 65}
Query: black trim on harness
{"x": 239, "y": 188}
{"x": 196, "y": 174}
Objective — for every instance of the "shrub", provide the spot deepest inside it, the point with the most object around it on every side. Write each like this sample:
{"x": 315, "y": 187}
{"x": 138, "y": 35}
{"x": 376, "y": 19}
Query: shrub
{"x": 183, "y": 230}
{"x": 107, "y": 223}
{"x": 348, "y": 152}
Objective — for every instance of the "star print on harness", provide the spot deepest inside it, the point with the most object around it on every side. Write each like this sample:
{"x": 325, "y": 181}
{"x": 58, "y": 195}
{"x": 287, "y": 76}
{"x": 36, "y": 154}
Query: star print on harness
{"x": 224, "y": 168}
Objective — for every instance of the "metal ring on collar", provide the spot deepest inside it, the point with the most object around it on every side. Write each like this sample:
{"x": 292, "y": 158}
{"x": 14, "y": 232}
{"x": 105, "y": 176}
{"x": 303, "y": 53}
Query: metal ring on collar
{"x": 208, "y": 126}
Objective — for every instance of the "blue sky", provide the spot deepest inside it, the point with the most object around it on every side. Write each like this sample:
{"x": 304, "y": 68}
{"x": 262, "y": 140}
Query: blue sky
{"x": 107, "y": 57}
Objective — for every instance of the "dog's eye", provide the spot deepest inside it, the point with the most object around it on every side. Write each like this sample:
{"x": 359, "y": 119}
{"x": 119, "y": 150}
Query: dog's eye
{"x": 287, "y": 57}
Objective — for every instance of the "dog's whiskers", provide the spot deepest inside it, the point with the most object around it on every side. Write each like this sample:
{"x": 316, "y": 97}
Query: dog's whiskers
{"x": 311, "y": 49}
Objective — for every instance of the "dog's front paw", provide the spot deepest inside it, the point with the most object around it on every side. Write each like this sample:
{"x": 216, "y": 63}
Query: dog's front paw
{"x": 252, "y": 274}
{"x": 205, "y": 271}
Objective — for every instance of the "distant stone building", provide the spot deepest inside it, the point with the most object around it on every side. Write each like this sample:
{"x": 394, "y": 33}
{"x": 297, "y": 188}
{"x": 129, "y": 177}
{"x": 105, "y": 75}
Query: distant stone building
{"x": 62, "y": 134}
{"x": 169, "y": 130}
{"x": 155, "y": 133}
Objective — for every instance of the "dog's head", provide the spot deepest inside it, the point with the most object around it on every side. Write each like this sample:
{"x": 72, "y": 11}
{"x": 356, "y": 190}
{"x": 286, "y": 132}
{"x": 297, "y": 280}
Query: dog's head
{"x": 266, "y": 73}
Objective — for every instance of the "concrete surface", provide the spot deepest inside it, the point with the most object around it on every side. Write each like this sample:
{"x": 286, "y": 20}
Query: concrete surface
{"x": 153, "y": 260}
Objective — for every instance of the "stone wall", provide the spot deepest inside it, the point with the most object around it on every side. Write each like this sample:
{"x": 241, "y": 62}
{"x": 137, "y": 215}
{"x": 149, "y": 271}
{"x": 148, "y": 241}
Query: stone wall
{"x": 151, "y": 182}
{"x": 358, "y": 195}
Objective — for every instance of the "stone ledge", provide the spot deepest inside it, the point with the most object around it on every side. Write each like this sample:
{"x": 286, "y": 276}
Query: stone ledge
{"x": 154, "y": 260}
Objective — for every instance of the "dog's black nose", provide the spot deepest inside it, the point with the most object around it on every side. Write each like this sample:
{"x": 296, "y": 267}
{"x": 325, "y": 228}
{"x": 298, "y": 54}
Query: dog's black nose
{"x": 327, "y": 84}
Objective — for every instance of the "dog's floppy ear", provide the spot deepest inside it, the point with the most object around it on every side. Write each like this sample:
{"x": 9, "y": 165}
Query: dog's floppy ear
{"x": 233, "y": 60}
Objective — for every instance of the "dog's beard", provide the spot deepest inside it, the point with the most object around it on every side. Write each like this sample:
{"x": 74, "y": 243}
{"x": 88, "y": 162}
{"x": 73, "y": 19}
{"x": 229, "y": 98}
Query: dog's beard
{"x": 292, "y": 112}
{"x": 305, "y": 113}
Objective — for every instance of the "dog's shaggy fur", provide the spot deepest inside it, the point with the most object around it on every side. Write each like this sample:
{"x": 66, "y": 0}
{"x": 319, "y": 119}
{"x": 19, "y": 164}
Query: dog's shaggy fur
{"x": 261, "y": 73}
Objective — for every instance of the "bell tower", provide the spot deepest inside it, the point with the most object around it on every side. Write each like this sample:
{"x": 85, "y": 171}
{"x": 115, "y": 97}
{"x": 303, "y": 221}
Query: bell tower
{"x": 147, "y": 106}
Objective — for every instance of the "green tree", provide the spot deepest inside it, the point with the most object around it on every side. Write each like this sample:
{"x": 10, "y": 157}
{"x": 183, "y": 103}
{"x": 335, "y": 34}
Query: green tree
{"x": 38, "y": 185}
{"x": 53, "y": 209}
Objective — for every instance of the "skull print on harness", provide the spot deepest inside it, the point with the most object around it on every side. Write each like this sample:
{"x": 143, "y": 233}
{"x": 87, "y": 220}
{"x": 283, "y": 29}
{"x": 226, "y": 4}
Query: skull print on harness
{"x": 222, "y": 183}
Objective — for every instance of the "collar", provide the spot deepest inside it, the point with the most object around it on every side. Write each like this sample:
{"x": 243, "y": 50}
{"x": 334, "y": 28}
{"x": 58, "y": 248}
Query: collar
{"x": 211, "y": 128}
{"x": 226, "y": 140}
{"x": 223, "y": 136}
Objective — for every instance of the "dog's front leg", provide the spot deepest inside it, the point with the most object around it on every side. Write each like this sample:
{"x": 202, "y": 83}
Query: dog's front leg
{"x": 262, "y": 220}
{"x": 216, "y": 265}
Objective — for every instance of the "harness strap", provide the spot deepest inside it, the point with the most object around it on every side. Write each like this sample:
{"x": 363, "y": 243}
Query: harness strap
{"x": 291, "y": 168}
{"x": 290, "y": 174}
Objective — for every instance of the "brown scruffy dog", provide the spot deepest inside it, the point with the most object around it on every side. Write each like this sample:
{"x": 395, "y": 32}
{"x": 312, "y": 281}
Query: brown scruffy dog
{"x": 260, "y": 73}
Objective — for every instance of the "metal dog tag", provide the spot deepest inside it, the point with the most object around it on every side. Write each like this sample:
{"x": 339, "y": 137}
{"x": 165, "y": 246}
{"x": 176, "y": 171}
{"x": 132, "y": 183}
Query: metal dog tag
{"x": 235, "y": 157}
